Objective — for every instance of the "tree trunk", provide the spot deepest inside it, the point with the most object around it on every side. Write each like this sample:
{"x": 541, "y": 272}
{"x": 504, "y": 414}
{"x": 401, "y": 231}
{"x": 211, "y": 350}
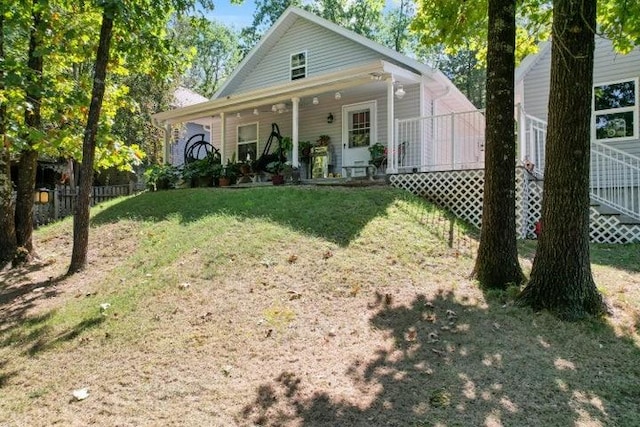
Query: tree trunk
{"x": 561, "y": 279}
{"x": 497, "y": 262}
{"x": 81, "y": 215}
{"x": 7, "y": 219}
{"x": 27, "y": 166}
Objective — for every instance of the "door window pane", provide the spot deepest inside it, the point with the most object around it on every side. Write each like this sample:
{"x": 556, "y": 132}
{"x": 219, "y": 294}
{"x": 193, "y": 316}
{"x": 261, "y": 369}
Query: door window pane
{"x": 359, "y": 128}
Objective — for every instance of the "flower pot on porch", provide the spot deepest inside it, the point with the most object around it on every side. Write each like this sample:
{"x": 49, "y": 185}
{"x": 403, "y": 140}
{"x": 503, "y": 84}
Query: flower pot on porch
{"x": 277, "y": 179}
{"x": 224, "y": 181}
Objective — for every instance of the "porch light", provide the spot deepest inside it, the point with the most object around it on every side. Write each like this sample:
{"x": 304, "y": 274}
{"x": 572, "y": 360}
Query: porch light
{"x": 255, "y": 112}
{"x": 400, "y": 93}
{"x": 338, "y": 96}
{"x": 330, "y": 118}
{"x": 315, "y": 100}
{"x": 279, "y": 108}
{"x": 238, "y": 114}
{"x": 41, "y": 196}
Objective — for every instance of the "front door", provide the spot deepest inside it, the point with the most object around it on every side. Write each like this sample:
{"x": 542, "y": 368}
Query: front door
{"x": 358, "y": 133}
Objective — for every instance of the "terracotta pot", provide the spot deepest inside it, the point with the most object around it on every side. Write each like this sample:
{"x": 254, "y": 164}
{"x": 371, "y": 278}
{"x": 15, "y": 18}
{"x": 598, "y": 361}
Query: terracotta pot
{"x": 224, "y": 181}
{"x": 277, "y": 179}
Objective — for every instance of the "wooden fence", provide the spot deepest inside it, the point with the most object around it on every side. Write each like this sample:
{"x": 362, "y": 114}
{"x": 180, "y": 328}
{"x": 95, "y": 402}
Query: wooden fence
{"x": 62, "y": 201}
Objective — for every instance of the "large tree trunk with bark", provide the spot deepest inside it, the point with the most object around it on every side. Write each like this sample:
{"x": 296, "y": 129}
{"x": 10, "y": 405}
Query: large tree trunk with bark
{"x": 561, "y": 279}
{"x": 7, "y": 221}
{"x": 497, "y": 262}
{"x": 81, "y": 215}
{"x": 29, "y": 157}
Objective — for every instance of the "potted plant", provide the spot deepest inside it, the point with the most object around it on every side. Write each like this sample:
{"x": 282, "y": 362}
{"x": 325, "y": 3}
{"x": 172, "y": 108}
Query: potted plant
{"x": 161, "y": 177}
{"x": 378, "y": 152}
{"x": 277, "y": 178}
{"x": 201, "y": 172}
{"x": 229, "y": 174}
{"x": 304, "y": 151}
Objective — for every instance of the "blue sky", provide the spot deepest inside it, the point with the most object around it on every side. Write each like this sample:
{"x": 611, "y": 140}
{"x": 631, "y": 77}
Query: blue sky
{"x": 240, "y": 15}
{"x": 234, "y": 15}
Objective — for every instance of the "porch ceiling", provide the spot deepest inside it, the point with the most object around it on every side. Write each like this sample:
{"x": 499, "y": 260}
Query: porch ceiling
{"x": 356, "y": 79}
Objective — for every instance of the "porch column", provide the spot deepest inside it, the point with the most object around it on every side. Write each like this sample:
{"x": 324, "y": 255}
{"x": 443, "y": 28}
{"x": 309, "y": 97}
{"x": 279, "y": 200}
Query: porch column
{"x": 391, "y": 144}
{"x": 223, "y": 131}
{"x": 167, "y": 144}
{"x": 211, "y": 129}
{"x": 294, "y": 132}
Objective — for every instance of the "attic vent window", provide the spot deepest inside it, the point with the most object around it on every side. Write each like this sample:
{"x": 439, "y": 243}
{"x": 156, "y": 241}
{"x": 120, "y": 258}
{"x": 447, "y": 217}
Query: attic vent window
{"x": 298, "y": 65}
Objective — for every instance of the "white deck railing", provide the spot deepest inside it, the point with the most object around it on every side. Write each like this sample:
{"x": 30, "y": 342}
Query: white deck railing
{"x": 456, "y": 142}
{"x": 615, "y": 179}
{"x": 444, "y": 142}
{"x": 615, "y": 174}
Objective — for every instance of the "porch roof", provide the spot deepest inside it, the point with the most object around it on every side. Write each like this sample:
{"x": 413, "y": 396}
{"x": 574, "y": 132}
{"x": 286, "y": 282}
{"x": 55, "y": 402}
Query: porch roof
{"x": 335, "y": 81}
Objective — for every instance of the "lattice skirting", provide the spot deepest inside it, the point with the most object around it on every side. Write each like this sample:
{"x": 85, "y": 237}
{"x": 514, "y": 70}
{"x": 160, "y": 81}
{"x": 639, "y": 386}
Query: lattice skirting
{"x": 461, "y": 193}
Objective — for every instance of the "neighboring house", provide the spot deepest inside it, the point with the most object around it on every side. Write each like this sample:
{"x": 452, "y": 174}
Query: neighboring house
{"x": 313, "y": 77}
{"x": 195, "y": 129}
{"x": 615, "y": 101}
{"x": 615, "y": 133}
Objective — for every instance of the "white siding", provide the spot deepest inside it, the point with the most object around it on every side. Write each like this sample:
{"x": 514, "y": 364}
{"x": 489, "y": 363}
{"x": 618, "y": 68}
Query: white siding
{"x": 326, "y": 50}
{"x": 536, "y": 87}
{"x": 608, "y": 66}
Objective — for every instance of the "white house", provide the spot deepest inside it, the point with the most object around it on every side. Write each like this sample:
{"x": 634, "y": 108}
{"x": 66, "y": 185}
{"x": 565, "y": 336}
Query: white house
{"x": 313, "y": 77}
{"x": 615, "y": 136}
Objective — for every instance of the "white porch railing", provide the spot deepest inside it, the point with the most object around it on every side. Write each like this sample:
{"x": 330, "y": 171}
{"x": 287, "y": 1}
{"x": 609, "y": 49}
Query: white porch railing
{"x": 444, "y": 142}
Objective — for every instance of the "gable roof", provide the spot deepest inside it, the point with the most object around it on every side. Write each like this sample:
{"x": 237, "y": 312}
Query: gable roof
{"x": 530, "y": 61}
{"x": 286, "y": 20}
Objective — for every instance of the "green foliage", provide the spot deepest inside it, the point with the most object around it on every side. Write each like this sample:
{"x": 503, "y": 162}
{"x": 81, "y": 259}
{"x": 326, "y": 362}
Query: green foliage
{"x": 209, "y": 166}
{"x": 462, "y": 25}
{"x": 212, "y": 49}
{"x": 378, "y": 152}
{"x": 161, "y": 176}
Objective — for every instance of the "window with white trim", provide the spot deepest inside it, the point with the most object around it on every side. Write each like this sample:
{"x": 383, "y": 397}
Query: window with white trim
{"x": 247, "y": 142}
{"x": 615, "y": 109}
{"x": 299, "y": 65}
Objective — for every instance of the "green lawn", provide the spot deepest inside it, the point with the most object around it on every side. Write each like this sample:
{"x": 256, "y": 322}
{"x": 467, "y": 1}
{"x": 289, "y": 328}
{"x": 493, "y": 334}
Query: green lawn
{"x": 301, "y": 306}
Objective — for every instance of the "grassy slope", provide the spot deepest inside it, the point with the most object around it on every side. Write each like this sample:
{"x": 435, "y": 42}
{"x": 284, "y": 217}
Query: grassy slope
{"x": 301, "y": 306}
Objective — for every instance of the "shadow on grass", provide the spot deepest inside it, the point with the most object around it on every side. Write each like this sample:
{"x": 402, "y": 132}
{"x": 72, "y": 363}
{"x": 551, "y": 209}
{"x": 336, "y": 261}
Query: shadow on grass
{"x": 5, "y": 375}
{"x": 43, "y": 343}
{"x": 335, "y": 214}
{"x": 17, "y": 298}
{"x": 453, "y": 363}
{"x": 622, "y": 257}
